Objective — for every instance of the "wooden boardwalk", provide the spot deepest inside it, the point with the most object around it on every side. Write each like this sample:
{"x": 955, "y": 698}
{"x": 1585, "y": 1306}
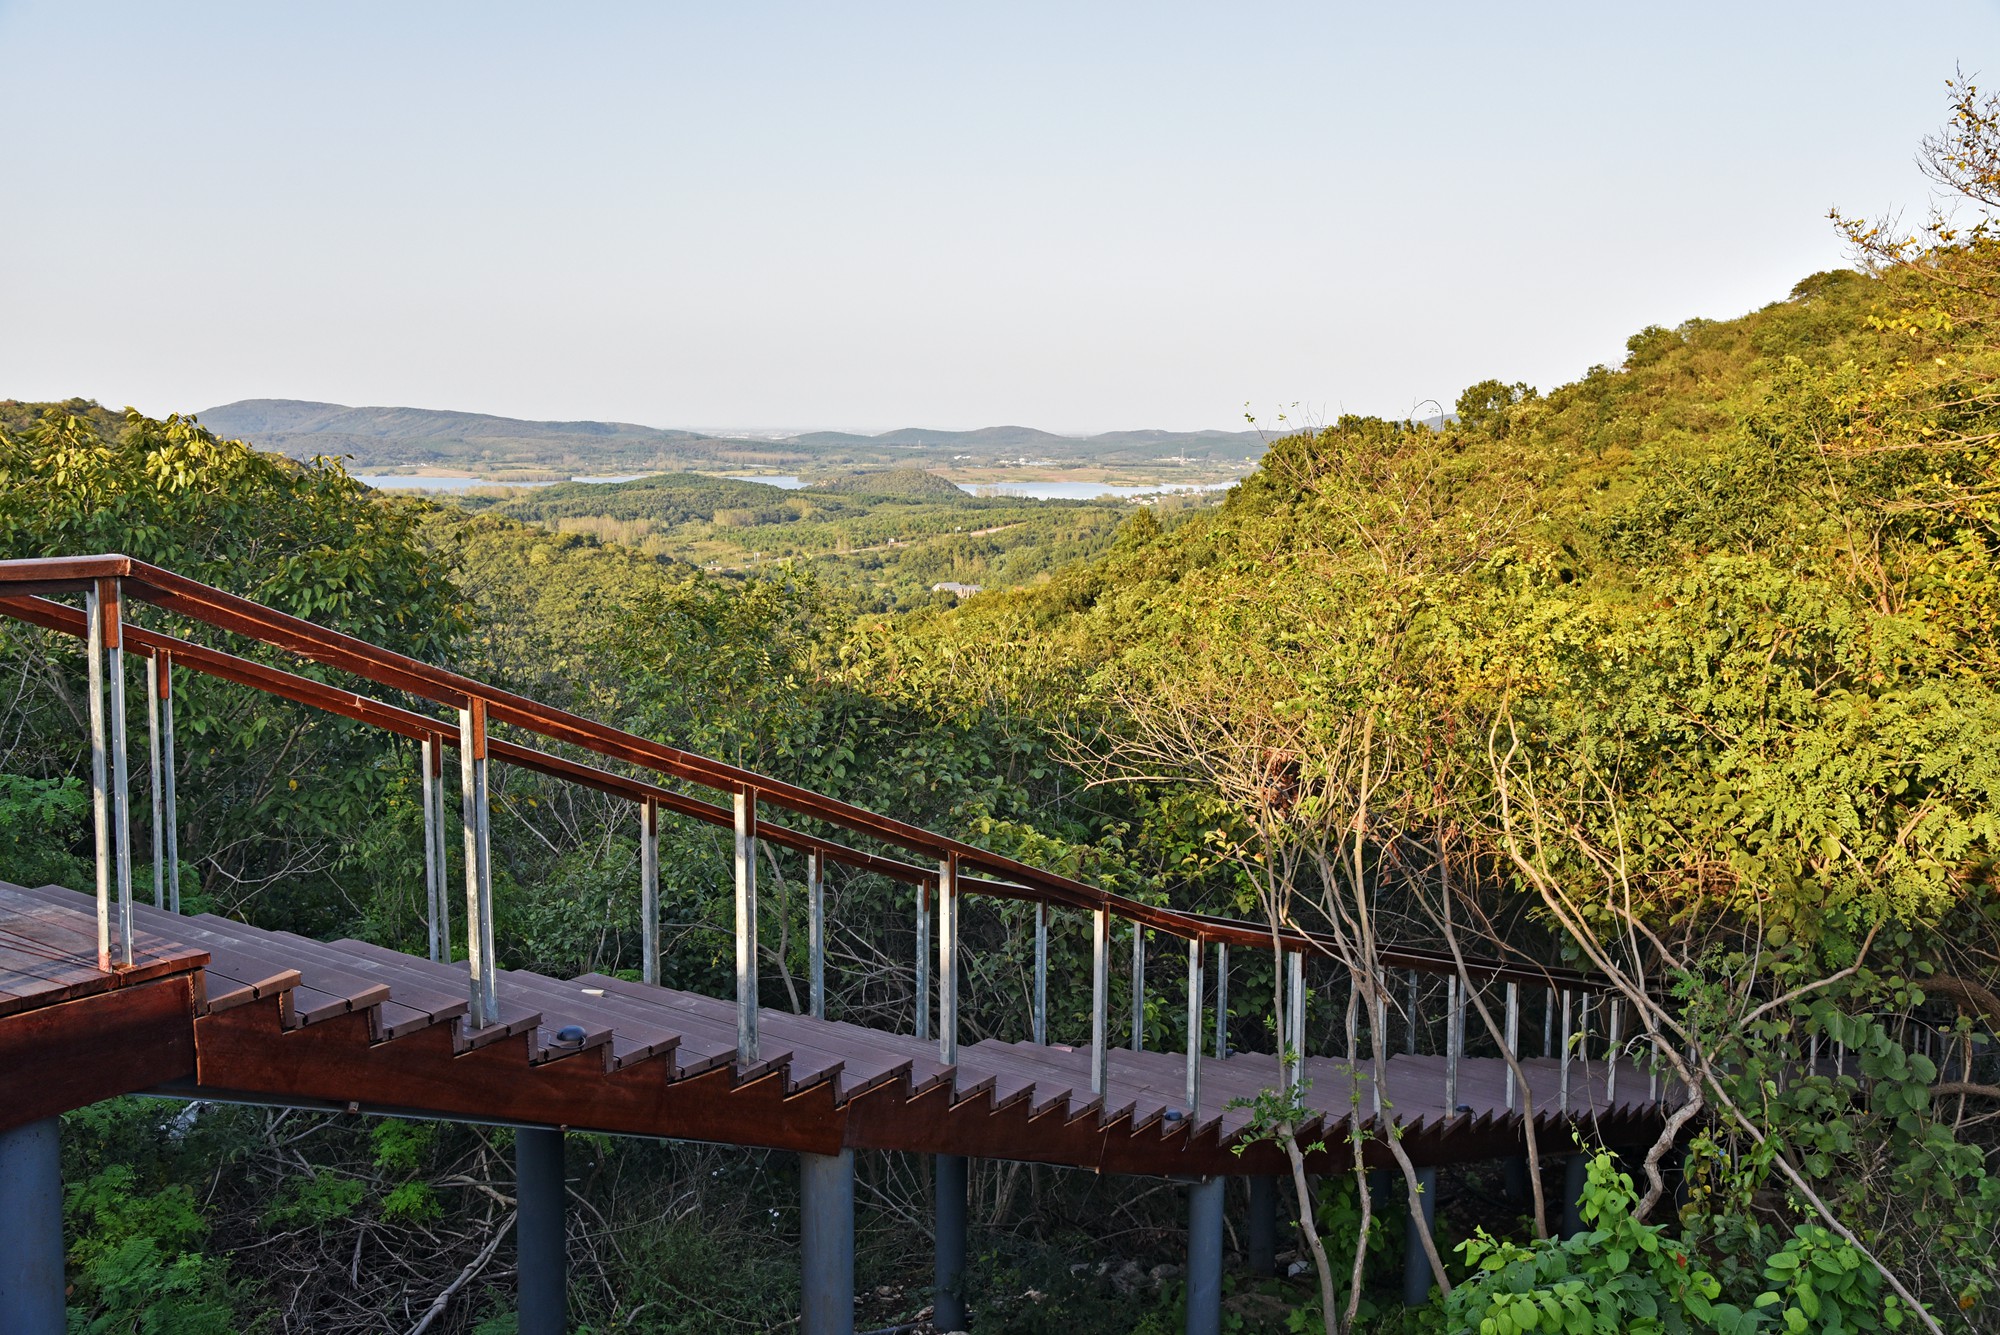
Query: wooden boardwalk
{"x": 223, "y": 1010}
{"x": 70, "y": 1033}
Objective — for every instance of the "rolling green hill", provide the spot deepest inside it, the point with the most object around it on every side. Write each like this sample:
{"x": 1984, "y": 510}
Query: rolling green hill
{"x": 886, "y": 536}
{"x": 485, "y": 445}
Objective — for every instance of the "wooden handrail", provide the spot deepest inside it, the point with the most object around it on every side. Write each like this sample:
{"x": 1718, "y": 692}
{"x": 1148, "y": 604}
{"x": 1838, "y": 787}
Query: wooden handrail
{"x": 24, "y": 584}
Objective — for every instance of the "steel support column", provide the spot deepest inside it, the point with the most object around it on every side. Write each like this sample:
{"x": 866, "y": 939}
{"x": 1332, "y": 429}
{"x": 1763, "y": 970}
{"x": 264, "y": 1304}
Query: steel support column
{"x": 1204, "y": 1257}
{"x": 31, "y": 1229}
{"x": 1576, "y": 1171}
{"x": 826, "y": 1246}
{"x": 1261, "y": 1228}
{"x": 1417, "y": 1278}
{"x": 950, "y": 1222}
{"x": 540, "y": 1235}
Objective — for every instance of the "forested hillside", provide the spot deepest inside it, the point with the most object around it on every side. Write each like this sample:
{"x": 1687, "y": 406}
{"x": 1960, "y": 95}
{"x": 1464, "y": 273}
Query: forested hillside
{"x": 1683, "y": 673}
{"x": 884, "y": 537}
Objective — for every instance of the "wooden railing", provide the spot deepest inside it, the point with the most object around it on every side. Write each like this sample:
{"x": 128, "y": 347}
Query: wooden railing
{"x": 28, "y": 589}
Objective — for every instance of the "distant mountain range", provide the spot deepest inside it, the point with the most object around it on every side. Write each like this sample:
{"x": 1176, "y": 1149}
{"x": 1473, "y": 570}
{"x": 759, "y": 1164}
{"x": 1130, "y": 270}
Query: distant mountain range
{"x": 375, "y": 438}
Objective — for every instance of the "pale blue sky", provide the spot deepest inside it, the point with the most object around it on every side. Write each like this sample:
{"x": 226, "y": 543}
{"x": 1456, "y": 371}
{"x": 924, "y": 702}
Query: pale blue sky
{"x": 1075, "y": 216}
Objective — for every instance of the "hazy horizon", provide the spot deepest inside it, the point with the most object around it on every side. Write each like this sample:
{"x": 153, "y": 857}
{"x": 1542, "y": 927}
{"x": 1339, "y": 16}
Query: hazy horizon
{"x": 1116, "y": 218}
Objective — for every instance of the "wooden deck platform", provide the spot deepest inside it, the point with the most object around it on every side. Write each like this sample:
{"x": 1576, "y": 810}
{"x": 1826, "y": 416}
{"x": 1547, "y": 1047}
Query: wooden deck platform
{"x": 230, "y": 1011}
{"x": 71, "y": 1034}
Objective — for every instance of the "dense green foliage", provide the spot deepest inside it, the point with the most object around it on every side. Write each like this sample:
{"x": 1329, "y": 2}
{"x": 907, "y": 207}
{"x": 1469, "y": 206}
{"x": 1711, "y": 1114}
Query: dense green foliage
{"x": 883, "y": 538}
{"x": 1683, "y": 673}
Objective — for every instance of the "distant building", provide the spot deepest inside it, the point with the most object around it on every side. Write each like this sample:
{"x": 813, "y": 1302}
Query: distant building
{"x": 961, "y": 590}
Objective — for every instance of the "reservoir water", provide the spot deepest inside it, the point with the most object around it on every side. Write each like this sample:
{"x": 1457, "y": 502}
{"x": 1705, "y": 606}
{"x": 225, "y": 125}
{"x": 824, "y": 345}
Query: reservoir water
{"x": 1039, "y": 490}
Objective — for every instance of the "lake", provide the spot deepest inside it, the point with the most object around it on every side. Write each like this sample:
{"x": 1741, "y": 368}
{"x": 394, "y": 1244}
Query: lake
{"x": 1040, "y": 491}
{"x": 416, "y": 482}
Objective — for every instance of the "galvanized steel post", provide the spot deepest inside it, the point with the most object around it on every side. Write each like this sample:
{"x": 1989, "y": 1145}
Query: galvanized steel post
{"x": 153, "y": 775}
{"x": 1194, "y": 1032}
{"x": 170, "y": 811}
{"x": 1562, "y": 1097}
{"x": 826, "y": 1228}
{"x": 1513, "y": 1040}
{"x": 1204, "y": 1259}
{"x": 746, "y": 926}
{"x": 923, "y": 959}
{"x": 1100, "y": 998}
{"x": 440, "y": 822}
{"x": 816, "y": 933}
{"x": 1041, "y": 1019}
{"x": 427, "y": 750}
{"x": 100, "y": 782}
{"x": 31, "y": 1228}
{"x": 480, "y": 965}
{"x": 649, "y": 892}
{"x": 1454, "y": 1039}
{"x": 1295, "y": 1026}
{"x": 541, "y": 1235}
{"x": 1410, "y": 1036}
{"x": 948, "y": 960}
{"x": 1222, "y": 998}
{"x": 1138, "y": 1041}
{"x": 111, "y": 791}
{"x": 1611, "y": 1027}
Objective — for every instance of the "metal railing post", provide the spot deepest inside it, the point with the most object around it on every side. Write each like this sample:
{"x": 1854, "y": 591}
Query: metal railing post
{"x": 111, "y": 799}
{"x": 1563, "y": 1085}
{"x": 427, "y": 750}
{"x": 746, "y": 926}
{"x": 1293, "y": 1039}
{"x": 649, "y": 892}
{"x": 1138, "y": 988}
{"x": 1100, "y": 998}
{"x": 816, "y": 931}
{"x": 1513, "y": 1040}
{"x": 1194, "y": 1030}
{"x": 1612, "y": 1025}
{"x": 1222, "y": 998}
{"x": 923, "y": 959}
{"x": 1410, "y": 1038}
{"x": 1453, "y": 1038}
{"x": 1041, "y": 1019}
{"x": 948, "y": 906}
{"x": 440, "y": 822}
{"x": 153, "y": 775}
{"x": 100, "y": 781}
{"x": 121, "y": 786}
{"x": 480, "y": 966}
{"x": 1548, "y": 1024}
{"x": 169, "y": 808}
